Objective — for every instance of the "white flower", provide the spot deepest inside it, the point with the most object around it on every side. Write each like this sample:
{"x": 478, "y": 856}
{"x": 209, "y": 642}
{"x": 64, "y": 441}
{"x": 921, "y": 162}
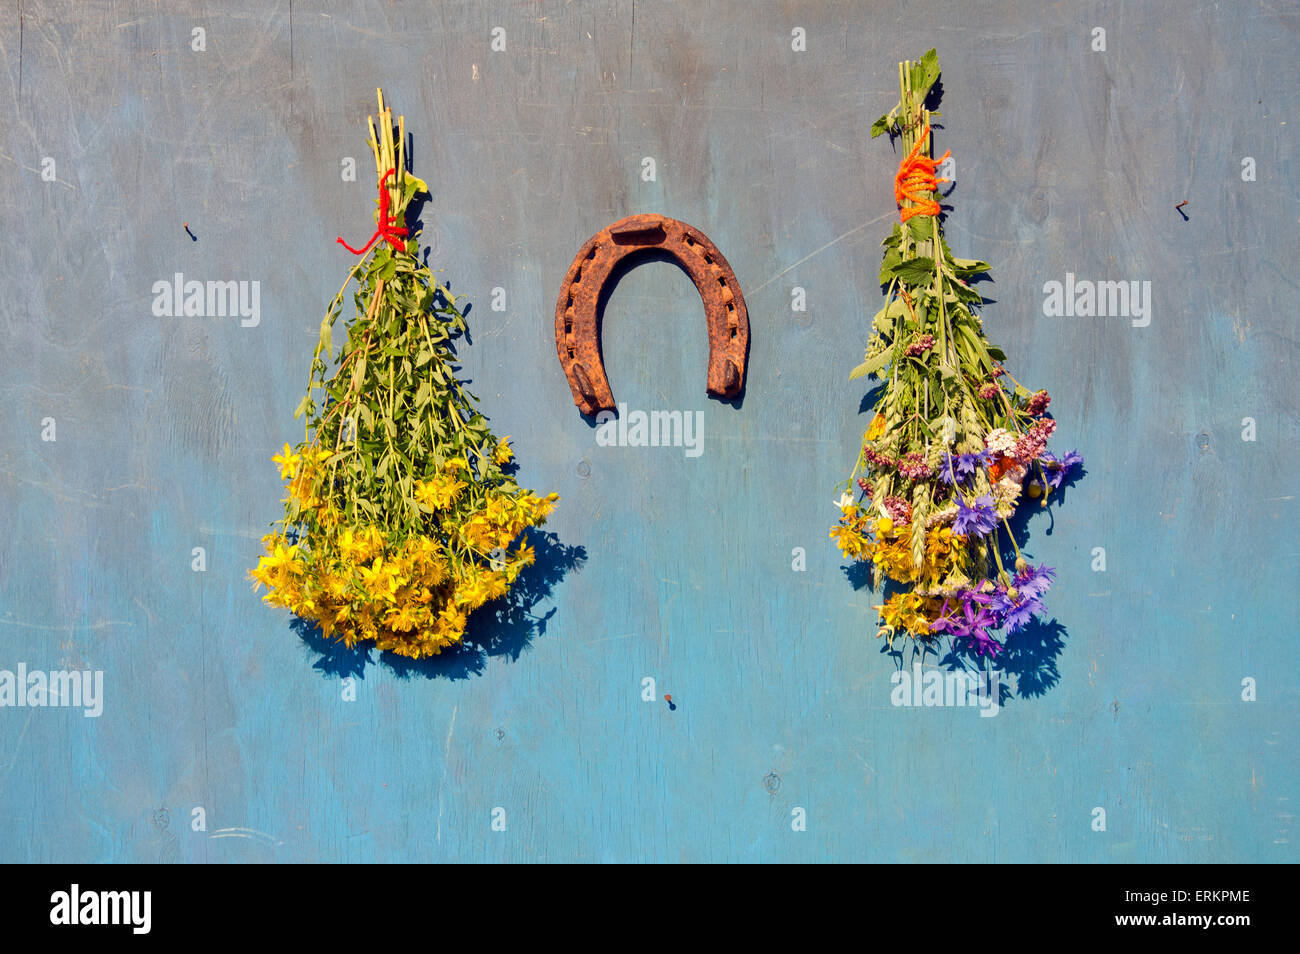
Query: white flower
{"x": 846, "y": 500}
{"x": 949, "y": 430}
{"x": 1000, "y": 441}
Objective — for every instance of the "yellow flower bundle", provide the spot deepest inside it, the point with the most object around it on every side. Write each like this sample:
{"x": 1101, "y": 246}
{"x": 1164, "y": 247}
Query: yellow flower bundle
{"x": 401, "y": 517}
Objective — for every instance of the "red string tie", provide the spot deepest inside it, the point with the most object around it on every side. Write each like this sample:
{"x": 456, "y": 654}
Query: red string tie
{"x": 388, "y": 227}
{"x": 915, "y": 181}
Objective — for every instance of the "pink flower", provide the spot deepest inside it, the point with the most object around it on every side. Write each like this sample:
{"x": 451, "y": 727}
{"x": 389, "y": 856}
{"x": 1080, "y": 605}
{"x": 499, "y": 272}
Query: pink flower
{"x": 899, "y": 510}
{"x": 914, "y": 467}
{"x": 921, "y": 346}
{"x": 1038, "y": 402}
{"x": 1033, "y": 442}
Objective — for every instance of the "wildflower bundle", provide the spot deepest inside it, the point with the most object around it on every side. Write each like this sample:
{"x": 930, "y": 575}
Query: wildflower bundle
{"x": 955, "y": 443}
{"x": 401, "y": 517}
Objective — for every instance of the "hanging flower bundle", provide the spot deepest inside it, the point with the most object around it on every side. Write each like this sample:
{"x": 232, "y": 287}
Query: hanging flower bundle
{"x": 956, "y": 443}
{"x": 401, "y": 517}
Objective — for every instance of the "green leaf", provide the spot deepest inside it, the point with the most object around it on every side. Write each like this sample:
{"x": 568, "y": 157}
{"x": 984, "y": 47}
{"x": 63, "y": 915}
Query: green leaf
{"x": 882, "y": 125}
{"x": 870, "y": 366}
{"x": 925, "y": 72}
{"x": 969, "y": 267}
{"x": 327, "y": 338}
{"x": 883, "y": 321}
{"x": 965, "y": 293}
{"x": 914, "y": 271}
{"x": 891, "y": 261}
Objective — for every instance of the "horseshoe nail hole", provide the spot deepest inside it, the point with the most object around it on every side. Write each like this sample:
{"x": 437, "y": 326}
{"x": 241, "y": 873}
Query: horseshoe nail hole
{"x": 568, "y": 327}
{"x": 735, "y": 333}
{"x": 722, "y": 281}
{"x": 570, "y": 352}
{"x": 592, "y": 253}
{"x": 653, "y": 235}
{"x": 577, "y": 276}
{"x": 570, "y": 302}
{"x": 707, "y": 259}
{"x": 731, "y": 306}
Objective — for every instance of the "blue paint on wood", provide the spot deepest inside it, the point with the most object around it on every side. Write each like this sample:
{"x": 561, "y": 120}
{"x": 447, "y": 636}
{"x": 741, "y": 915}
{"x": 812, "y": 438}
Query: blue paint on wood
{"x": 1068, "y": 160}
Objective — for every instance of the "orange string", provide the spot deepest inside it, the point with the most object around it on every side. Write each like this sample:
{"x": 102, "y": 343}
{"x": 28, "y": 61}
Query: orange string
{"x": 915, "y": 181}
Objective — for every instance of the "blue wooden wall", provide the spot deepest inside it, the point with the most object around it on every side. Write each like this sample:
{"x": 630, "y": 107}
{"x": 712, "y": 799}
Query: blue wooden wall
{"x": 1068, "y": 160}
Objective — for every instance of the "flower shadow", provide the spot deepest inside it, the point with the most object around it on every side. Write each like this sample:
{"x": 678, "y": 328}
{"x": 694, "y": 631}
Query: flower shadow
{"x": 1019, "y": 522}
{"x": 504, "y": 627}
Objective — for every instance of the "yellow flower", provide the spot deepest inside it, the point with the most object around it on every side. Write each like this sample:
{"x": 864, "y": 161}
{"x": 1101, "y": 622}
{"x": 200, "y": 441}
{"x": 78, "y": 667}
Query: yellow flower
{"x": 472, "y": 593}
{"x": 263, "y": 575}
{"x": 288, "y": 462}
{"x": 876, "y": 428}
{"x": 542, "y": 507}
{"x": 402, "y": 620}
{"x": 503, "y": 453}
{"x": 372, "y": 542}
{"x": 851, "y": 543}
{"x": 439, "y": 493}
{"x": 351, "y": 547}
{"x": 380, "y": 581}
{"x": 285, "y": 558}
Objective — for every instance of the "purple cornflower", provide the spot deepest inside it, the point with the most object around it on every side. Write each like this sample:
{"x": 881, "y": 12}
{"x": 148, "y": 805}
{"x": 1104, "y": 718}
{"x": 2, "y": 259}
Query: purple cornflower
{"x": 1028, "y": 585}
{"x": 975, "y": 624}
{"x": 980, "y": 519}
{"x": 1035, "y": 581}
{"x": 1056, "y": 470}
{"x": 945, "y": 621}
{"x": 954, "y": 470}
{"x": 1015, "y": 613}
{"x": 984, "y": 643}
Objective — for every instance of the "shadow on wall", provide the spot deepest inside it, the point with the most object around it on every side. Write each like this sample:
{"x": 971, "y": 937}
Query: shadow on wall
{"x": 504, "y": 627}
{"x": 1028, "y": 655}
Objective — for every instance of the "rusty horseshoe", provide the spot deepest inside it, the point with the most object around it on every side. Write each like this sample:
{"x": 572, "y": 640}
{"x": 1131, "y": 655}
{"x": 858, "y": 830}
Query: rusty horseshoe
{"x": 577, "y": 324}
